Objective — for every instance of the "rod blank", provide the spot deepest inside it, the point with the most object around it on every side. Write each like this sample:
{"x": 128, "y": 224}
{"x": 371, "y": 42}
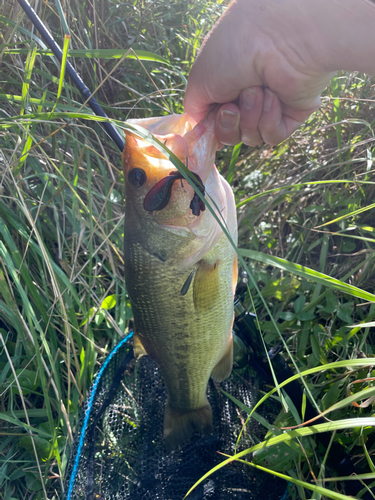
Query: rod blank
{"x": 85, "y": 92}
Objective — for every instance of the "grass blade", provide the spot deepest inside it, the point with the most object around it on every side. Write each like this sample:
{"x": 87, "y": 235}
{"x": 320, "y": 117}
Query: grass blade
{"x": 307, "y": 273}
{"x": 143, "y": 55}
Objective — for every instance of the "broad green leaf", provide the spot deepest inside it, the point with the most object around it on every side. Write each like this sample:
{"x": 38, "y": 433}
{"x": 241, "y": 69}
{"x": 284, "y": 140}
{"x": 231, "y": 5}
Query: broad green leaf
{"x": 281, "y": 288}
{"x": 305, "y": 316}
{"x": 99, "y": 317}
{"x": 279, "y": 458}
{"x": 287, "y": 316}
{"x": 344, "y": 312}
{"x": 43, "y": 447}
{"x": 332, "y": 302}
{"x": 299, "y": 304}
{"x": 27, "y": 379}
{"x": 332, "y": 395}
{"x": 109, "y": 302}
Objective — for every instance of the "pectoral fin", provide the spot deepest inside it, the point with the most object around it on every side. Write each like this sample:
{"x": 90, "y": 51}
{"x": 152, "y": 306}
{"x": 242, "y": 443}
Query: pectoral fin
{"x": 206, "y": 285}
{"x": 224, "y": 367}
{"x": 138, "y": 348}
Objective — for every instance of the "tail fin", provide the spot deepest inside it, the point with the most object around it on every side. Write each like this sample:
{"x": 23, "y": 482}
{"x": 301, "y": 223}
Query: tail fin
{"x": 180, "y": 426}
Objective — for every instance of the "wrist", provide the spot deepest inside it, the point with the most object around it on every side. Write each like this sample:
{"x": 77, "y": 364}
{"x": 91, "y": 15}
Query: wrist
{"x": 347, "y": 35}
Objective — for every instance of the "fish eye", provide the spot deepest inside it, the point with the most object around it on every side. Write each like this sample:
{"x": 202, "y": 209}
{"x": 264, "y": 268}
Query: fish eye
{"x": 137, "y": 177}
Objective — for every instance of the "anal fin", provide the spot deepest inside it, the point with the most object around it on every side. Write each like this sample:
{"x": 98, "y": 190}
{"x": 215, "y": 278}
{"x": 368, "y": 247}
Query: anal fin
{"x": 224, "y": 367}
{"x": 138, "y": 348}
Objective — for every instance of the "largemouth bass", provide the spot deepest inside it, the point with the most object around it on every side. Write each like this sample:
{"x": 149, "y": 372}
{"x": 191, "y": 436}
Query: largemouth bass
{"x": 180, "y": 268}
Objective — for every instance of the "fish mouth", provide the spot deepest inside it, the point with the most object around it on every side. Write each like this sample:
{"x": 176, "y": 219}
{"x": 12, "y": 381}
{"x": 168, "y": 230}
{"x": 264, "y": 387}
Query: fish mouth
{"x": 158, "y": 197}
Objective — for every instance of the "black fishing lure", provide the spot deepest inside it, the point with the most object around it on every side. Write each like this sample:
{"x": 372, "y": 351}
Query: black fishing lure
{"x": 158, "y": 197}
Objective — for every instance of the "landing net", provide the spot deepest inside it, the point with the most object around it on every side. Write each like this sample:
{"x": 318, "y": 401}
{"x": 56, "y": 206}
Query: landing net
{"x": 119, "y": 451}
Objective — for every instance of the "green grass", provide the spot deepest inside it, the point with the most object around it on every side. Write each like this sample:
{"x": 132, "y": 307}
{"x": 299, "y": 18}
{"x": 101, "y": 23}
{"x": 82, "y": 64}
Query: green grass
{"x": 306, "y": 234}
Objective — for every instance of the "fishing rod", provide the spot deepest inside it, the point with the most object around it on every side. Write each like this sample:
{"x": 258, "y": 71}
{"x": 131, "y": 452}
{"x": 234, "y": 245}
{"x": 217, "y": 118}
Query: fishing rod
{"x": 77, "y": 80}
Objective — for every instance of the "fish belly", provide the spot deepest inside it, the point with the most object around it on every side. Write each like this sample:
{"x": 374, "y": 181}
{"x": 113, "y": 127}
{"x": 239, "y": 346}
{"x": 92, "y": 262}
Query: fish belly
{"x": 189, "y": 336}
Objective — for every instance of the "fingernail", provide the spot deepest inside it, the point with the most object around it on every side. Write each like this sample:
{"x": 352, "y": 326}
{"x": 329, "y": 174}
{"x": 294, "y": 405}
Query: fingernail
{"x": 228, "y": 119}
{"x": 267, "y": 101}
{"x": 248, "y": 98}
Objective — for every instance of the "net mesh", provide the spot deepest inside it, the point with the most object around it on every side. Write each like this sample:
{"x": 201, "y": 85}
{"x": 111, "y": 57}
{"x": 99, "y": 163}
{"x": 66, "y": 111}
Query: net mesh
{"x": 119, "y": 451}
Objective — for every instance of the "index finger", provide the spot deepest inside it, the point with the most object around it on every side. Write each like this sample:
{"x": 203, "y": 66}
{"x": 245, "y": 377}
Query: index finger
{"x": 195, "y": 104}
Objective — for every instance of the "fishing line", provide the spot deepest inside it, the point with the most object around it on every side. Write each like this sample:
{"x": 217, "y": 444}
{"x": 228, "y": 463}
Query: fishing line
{"x": 94, "y": 388}
{"x": 78, "y": 82}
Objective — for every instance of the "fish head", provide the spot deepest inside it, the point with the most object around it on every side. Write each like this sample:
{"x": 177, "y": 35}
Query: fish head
{"x": 158, "y": 198}
{"x": 154, "y": 187}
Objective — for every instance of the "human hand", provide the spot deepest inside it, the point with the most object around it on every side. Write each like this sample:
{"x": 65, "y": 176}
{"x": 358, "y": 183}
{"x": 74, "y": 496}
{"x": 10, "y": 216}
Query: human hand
{"x": 267, "y": 62}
